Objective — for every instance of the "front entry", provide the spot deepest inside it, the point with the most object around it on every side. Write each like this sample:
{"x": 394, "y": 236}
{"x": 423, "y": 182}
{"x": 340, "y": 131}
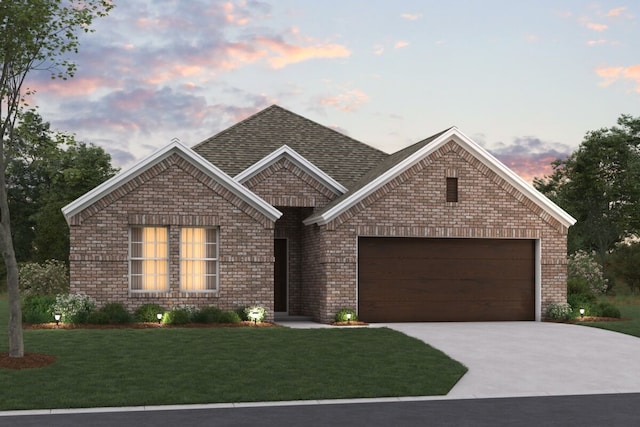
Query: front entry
{"x": 280, "y": 269}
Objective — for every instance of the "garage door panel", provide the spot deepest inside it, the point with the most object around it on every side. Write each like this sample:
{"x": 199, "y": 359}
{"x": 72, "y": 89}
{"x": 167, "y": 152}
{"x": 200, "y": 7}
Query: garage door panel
{"x": 410, "y": 279}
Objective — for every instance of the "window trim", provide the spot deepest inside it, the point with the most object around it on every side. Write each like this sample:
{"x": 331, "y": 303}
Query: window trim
{"x": 132, "y": 259}
{"x": 216, "y": 260}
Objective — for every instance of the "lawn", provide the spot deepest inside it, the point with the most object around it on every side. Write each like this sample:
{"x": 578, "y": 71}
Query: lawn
{"x": 629, "y": 306}
{"x": 132, "y": 367}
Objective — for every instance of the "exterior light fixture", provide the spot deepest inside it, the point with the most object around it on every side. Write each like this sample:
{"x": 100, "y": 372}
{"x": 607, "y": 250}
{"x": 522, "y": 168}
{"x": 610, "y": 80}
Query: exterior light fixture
{"x": 159, "y": 317}
{"x": 57, "y": 317}
{"x": 254, "y": 316}
{"x": 581, "y": 313}
{"x": 348, "y": 317}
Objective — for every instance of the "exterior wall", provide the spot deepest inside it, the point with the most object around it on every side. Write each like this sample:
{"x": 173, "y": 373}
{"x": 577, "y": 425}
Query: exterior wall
{"x": 414, "y": 205}
{"x": 173, "y": 193}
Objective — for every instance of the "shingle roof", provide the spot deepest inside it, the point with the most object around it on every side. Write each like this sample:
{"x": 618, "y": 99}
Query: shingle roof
{"x": 235, "y": 149}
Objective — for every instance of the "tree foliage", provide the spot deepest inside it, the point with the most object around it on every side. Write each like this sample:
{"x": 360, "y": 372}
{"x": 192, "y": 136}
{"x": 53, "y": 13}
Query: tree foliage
{"x": 34, "y": 34}
{"x": 599, "y": 185}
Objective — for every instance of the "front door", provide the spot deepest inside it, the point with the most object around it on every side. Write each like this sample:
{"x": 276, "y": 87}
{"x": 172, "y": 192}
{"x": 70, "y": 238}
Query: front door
{"x": 280, "y": 275}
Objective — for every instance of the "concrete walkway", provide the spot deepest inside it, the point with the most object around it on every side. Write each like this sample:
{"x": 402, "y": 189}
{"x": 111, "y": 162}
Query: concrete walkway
{"x": 511, "y": 359}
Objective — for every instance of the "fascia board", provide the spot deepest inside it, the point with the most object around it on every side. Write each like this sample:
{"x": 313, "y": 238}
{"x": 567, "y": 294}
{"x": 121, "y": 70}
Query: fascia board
{"x": 153, "y": 159}
{"x": 483, "y": 155}
{"x": 287, "y": 152}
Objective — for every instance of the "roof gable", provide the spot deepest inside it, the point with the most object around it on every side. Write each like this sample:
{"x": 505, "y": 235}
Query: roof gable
{"x": 237, "y": 148}
{"x": 286, "y": 152}
{"x": 158, "y": 156}
{"x": 401, "y": 161}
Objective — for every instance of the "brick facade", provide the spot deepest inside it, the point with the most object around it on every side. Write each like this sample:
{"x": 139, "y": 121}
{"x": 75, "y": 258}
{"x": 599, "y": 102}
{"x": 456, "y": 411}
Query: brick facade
{"x": 322, "y": 260}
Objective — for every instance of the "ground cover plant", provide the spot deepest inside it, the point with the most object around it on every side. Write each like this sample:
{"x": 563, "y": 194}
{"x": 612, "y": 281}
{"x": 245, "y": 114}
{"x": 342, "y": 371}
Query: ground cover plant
{"x": 117, "y": 367}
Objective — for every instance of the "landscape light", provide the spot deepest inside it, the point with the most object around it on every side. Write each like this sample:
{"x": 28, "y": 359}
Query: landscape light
{"x": 348, "y": 317}
{"x": 57, "y": 317}
{"x": 159, "y": 317}
{"x": 581, "y": 312}
{"x": 254, "y": 315}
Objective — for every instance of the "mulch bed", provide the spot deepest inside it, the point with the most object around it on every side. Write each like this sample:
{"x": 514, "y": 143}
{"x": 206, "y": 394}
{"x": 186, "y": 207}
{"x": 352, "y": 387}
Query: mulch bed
{"x": 351, "y": 323}
{"x": 29, "y": 360}
{"x": 597, "y": 319}
{"x": 153, "y": 325}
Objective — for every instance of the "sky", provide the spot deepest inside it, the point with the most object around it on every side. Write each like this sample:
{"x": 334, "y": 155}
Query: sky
{"x": 525, "y": 80}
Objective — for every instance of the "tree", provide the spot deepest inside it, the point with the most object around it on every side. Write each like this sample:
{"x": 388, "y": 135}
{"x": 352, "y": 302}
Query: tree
{"x": 599, "y": 185}
{"x": 34, "y": 35}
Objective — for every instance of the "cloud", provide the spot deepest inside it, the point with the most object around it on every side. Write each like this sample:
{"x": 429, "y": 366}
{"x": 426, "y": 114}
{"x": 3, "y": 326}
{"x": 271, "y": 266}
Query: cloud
{"x": 378, "y": 50}
{"x": 287, "y": 53}
{"x": 596, "y": 42}
{"x": 531, "y": 38}
{"x": 618, "y": 13}
{"x": 400, "y": 44}
{"x": 411, "y": 16}
{"x": 611, "y": 75}
{"x": 530, "y": 157}
{"x": 597, "y": 27}
{"x": 349, "y": 100}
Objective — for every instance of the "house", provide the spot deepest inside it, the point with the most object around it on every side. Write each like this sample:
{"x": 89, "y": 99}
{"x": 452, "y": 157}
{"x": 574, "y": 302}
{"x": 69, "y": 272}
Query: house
{"x": 283, "y": 212}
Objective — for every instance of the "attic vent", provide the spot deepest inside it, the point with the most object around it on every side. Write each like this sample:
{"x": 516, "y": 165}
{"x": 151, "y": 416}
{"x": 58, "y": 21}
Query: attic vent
{"x": 452, "y": 189}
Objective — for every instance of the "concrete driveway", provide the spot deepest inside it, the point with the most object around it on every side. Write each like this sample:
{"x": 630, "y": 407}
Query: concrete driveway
{"x": 510, "y": 359}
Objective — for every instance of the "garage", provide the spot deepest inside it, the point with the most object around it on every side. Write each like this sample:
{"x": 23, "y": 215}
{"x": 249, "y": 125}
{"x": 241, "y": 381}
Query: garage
{"x": 424, "y": 280}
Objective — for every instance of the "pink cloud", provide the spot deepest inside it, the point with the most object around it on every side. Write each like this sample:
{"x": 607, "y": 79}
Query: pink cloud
{"x": 287, "y": 53}
{"x": 78, "y": 86}
{"x": 378, "y": 50}
{"x": 611, "y": 75}
{"x": 597, "y": 27}
{"x": 596, "y": 42}
{"x": 614, "y": 13}
{"x": 400, "y": 44}
{"x": 411, "y": 16}
{"x": 348, "y": 101}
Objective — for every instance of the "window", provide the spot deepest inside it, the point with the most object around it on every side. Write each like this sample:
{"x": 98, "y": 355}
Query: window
{"x": 148, "y": 259}
{"x": 452, "y": 189}
{"x": 198, "y": 259}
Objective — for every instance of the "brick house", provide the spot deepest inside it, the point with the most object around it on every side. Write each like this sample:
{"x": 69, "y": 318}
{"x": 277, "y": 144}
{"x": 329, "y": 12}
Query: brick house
{"x": 285, "y": 213}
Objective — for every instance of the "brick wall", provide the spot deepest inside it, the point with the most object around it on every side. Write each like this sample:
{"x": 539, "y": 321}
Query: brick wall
{"x": 414, "y": 205}
{"x": 173, "y": 193}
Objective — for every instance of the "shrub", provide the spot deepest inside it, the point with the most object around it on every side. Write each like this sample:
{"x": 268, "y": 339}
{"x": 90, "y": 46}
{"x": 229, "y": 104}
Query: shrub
{"x": 208, "y": 315}
{"x": 148, "y": 313}
{"x": 578, "y": 301}
{"x": 229, "y": 317}
{"x": 98, "y": 318}
{"x": 48, "y": 278}
{"x": 559, "y": 312}
{"x": 341, "y": 315}
{"x": 606, "y": 309}
{"x": 115, "y": 313}
{"x": 178, "y": 316}
{"x": 74, "y": 308}
{"x": 38, "y": 309}
{"x": 254, "y": 313}
{"x": 582, "y": 265}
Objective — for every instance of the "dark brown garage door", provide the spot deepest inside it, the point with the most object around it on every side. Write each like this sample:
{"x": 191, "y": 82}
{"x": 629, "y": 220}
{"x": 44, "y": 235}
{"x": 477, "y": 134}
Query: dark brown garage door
{"x": 418, "y": 280}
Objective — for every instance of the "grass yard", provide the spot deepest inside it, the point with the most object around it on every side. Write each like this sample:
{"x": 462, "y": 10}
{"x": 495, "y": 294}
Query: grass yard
{"x": 629, "y": 306}
{"x": 131, "y": 367}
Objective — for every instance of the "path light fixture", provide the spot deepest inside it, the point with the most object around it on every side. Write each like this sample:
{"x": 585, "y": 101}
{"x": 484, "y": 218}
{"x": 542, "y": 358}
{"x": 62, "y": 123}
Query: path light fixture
{"x": 254, "y": 316}
{"x": 159, "y": 317}
{"x": 581, "y": 313}
{"x": 57, "y": 317}
{"x": 348, "y": 317}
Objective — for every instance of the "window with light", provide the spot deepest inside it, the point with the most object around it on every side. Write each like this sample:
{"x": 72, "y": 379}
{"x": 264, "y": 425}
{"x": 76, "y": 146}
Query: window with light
{"x": 198, "y": 259}
{"x": 149, "y": 259}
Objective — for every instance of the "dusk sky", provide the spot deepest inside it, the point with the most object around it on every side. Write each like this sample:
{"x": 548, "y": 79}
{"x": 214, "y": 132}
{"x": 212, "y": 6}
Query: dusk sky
{"x": 526, "y": 80}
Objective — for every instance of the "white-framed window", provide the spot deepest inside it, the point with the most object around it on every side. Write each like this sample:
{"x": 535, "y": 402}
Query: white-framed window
{"x": 149, "y": 259}
{"x": 198, "y": 259}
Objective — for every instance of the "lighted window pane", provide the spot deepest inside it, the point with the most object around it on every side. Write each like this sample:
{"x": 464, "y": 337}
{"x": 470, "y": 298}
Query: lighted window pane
{"x": 198, "y": 252}
{"x": 149, "y": 253}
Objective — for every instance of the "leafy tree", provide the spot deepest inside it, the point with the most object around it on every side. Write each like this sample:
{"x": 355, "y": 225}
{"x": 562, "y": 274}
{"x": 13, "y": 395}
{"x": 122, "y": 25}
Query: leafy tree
{"x": 34, "y": 35}
{"x": 599, "y": 185}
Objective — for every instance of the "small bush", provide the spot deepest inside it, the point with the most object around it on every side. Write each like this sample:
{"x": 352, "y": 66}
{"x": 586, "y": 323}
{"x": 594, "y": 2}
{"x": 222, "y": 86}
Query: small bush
{"x": 48, "y": 278}
{"x": 178, "y": 316}
{"x": 606, "y": 309}
{"x": 115, "y": 313}
{"x": 229, "y": 317}
{"x": 255, "y": 313}
{"x": 341, "y": 315}
{"x": 208, "y": 315}
{"x": 98, "y": 318}
{"x": 148, "y": 313}
{"x": 74, "y": 308}
{"x": 559, "y": 312}
{"x": 38, "y": 309}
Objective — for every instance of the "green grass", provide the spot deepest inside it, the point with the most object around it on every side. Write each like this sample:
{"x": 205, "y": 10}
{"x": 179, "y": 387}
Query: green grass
{"x": 629, "y": 306}
{"x": 131, "y": 367}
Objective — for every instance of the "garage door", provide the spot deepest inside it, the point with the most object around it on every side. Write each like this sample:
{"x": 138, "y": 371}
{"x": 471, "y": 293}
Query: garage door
{"x": 417, "y": 280}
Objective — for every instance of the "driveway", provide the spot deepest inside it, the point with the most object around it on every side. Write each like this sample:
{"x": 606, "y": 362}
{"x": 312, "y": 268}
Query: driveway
{"x": 510, "y": 359}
